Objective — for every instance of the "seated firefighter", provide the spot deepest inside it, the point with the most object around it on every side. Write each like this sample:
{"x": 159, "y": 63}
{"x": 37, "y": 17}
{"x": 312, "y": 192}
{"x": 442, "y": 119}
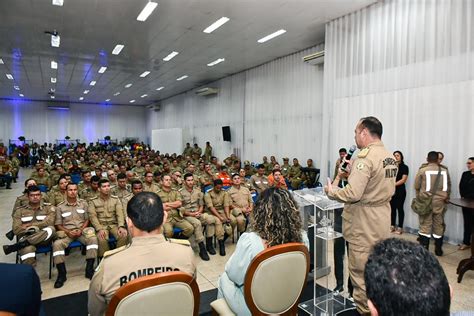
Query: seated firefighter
{"x": 33, "y": 226}
{"x": 72, "y": 221}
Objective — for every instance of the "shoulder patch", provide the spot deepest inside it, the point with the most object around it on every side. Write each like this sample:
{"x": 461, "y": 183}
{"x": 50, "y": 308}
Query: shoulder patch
{"x": 183, "y": 242}
{"x": 363, "y": 153}
{"x": 114, "y": 251}
{"x": 46, "y": 204}
{"x": 93, "y": 198}
{"x": 360, "y": 166}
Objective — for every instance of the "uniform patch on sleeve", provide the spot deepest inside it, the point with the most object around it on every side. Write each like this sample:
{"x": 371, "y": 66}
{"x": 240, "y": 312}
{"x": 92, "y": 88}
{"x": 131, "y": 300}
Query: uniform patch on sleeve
{"x": 360, "y": 166}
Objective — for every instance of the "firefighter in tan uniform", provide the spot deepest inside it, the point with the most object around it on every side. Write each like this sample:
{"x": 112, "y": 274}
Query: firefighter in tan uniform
{"x": 122, "y": 190}
{"x": 259, "y": 180}
{"x": 57, "y": 196}
{"x": 433, "y": 223}
{"x": 218, "y": 203}
{"x": 172, "y": 202}
{"x": 366, "y": 215}
{"x": 92, "y": 191}
{"x": 107, "y": 217}
{"x": 33, "y": 225}
{"x": 71, "y": 223}
{"x": 148, "y": 253}
{"x": 241, "y": 203}
{"x": 148, "y": 184}
{"x": 23, "y": 200}
{"x": 193, "y": 207}
{"x": 207, "y": 177}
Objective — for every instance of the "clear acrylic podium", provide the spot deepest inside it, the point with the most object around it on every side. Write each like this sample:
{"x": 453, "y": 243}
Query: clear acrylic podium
{"x": 325, "y": 301}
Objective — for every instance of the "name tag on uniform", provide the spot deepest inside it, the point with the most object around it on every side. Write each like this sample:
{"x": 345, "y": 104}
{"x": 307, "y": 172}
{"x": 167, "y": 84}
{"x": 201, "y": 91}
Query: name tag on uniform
{"x": 27, "y": 219}
{"x": 257, "y": 182}
{"x": 66, "y": 214}
{"x": 40, "y": 217}
{"x": 80, "y": 211}
{"x": 265, "y": 182}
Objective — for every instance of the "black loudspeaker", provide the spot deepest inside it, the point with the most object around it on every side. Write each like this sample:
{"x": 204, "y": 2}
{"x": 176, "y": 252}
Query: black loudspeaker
{"x": 226, "y": 133}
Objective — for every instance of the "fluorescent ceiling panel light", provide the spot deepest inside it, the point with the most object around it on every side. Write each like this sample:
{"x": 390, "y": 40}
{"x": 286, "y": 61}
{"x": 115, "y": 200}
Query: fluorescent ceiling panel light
{"x": 128, "y": 85}
{"x": 170, "y": 56}
{"x": 147, "y": 10}
{"x": 53, "y": 80}
{"x": 144, "y": 96}
{"x": 107, "y": 100}
{"x": 160, "y": 88}
{"x": 52, "y": 90}
{"x": 102, "y": 70}
{"x": 215, "y": 62}
{"x": 116, "y": 93}
{"x": 86, "y": 91}
{"x": 132, "y": 101}
{"x": 54, "y": 65}
{"x": 9, "y": 76}
{"x": 55, "y": 40}
{"x": 144, "y": 74}
{"x": 92, "y": 83}
{"x": 22, "y": 95}
{"x": 52, "y": 97}
{"x": 211, "y": 28}
{"x": 58, "y": 2}
{"x": 270, "y": 36}
{"x": 182, "y": 77}
{"x": 81, "y": 98}
{"x": 118, "y": 48}
{"x": 16, "y": 87}
{"x": 1, "y": 61}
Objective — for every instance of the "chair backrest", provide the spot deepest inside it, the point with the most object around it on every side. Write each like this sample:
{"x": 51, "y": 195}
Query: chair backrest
{"x": 167, "y": 293}
{"x": 276, "y": 278}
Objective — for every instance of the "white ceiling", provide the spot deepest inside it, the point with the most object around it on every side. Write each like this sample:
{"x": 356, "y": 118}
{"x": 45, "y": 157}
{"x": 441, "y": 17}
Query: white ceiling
{"x": 90, "y": 29}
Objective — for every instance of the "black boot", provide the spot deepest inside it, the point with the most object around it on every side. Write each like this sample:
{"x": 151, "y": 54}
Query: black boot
{"x": 210, "y": 246}
{"x": 439, "y": 246}
{"x": 339, "y": 288}
{"x": 221, "y": 248}
{"x": 61, "y": 275}
{"x": 425, "y": 242}
{"x": 225, "y": 236}
{"x": 8, "y": 249}
{"x": 202, "y": 252}
{"x": 89, "y": 268}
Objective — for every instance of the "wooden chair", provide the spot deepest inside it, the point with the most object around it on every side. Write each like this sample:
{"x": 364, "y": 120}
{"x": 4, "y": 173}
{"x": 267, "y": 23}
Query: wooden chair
{"x": 274, "y": 281}
{"x": 167, "y": 293}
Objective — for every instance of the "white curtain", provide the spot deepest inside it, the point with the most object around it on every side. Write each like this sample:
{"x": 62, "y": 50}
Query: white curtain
{"x": 409, "y": 63}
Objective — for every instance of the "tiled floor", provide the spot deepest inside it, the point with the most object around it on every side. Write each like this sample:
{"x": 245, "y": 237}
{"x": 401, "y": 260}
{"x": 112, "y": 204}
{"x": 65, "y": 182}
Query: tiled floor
{"x": 208, "y": 272}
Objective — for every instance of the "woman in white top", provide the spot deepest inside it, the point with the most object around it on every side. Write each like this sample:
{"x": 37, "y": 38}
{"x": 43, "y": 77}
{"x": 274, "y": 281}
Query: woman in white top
{"x": 275, "y": 220}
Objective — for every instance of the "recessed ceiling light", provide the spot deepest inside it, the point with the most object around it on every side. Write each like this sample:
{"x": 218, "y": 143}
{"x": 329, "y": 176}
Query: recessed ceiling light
{"x": 55, "y": 40}
{"x": 92, "y": 83}
{"x": 144, "y": 74}
{"x": 9, "y": 76}
{"x": 102, "y": 70}
{"x": 81, "y": 98}
{"x": 182, "y": 77}
{"x": 86, "y": 91}
{"x": 58, "y": 2}
{"x": 270, "y": 36}
{"x": 116, "y": 93}
{"x": 16, "y": 87}
{"x": 132, "y": 101}
{"x": 1, "y": 61}
{"x": 128, "y": 85}
{"x": 54, "y": 65}
{"x": 160, "y": 88}
{"x": 107, "y": 100}
{"x": 52, "y": 97}
{"x": 21, "y": 95}
{"x": 53, "y": 80}
{"x": 144, "y": 96}
{"x": 215, "y": 62}
{"x": 118, "y": 48}
{"x": 170, "y": 56}
{"x": 211, "y": 28}
{"x": 147, "y": 10}
{"x": 52, "y": 90}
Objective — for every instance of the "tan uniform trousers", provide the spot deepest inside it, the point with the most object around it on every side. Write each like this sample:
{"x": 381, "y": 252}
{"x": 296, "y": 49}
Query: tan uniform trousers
{"x": 41, "y": 238}
{"x": 218, "y": 229}
{"x": 433, "y": 223}
{"x": 104, "y": 243}
{"x": 357, "y": 261}
{"x": 186, "y": 226}
{"x": 204, "y": 219}
{"x": 296, "y": 183}
{"x": 239, "y": 219}
{"x": 60, "y": 244}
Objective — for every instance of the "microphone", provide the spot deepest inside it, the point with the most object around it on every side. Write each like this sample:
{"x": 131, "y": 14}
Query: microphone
{"x": 348, "y": 157}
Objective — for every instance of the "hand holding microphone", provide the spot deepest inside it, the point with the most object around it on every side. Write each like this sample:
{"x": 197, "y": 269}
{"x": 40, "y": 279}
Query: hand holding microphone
{"x": 345, "y": 167}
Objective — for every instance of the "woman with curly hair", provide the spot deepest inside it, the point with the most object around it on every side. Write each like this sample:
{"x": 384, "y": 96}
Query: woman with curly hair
{"x": 275, "y": 220}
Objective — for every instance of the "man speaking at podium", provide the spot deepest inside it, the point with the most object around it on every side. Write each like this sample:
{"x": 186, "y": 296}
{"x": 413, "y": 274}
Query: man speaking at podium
{"x": 366, "y": 215}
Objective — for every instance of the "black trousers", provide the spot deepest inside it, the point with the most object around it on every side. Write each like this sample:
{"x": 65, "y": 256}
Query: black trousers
{"x": 397, "y": 204}
{"x": 339, "y": 252}
{"x": 468, "y": 216}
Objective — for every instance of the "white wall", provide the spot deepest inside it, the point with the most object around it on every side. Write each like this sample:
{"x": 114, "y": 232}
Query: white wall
{"x": 87, "y": 122}
{"x": 273, "y": 109}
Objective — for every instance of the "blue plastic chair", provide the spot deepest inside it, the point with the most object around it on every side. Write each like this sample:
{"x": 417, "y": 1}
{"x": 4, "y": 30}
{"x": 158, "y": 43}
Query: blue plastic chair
{"x": 39, "y": 250}
{"x": 43, "y": 188}
{"x": 254, "y": 196}
{"x": 76, "y": 178}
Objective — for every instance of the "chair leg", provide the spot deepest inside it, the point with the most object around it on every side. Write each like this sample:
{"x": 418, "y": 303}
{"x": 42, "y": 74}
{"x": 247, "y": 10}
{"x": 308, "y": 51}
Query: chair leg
{"x": 50, "y": 263}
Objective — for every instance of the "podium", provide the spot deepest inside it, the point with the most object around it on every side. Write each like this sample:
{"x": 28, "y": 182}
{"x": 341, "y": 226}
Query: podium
{"x": 325, "y": 301}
